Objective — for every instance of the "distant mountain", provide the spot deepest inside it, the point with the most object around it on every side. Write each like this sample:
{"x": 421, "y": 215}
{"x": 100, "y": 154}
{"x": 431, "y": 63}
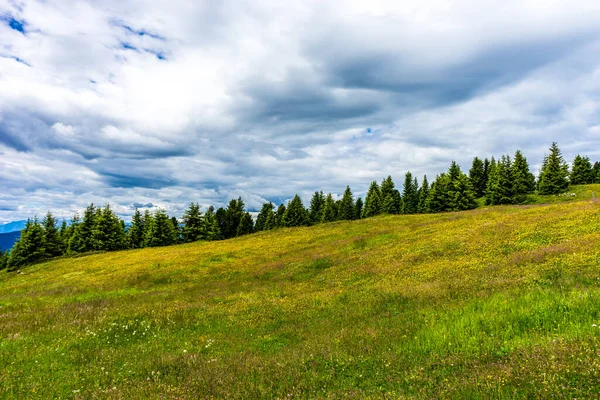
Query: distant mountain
{"x": 14, "y": 226}
{"x": 7, "y": 240}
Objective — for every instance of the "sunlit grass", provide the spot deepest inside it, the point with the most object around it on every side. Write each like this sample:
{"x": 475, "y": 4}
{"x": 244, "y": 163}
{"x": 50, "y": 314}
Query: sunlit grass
{"x": 495, "y": 302}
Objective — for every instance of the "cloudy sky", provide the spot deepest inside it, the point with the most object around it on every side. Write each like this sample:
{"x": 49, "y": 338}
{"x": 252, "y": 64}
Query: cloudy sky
{"x": 159, "y": 103}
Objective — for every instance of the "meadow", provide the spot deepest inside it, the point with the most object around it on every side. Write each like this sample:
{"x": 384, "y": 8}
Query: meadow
{"x": 498, "y": 302}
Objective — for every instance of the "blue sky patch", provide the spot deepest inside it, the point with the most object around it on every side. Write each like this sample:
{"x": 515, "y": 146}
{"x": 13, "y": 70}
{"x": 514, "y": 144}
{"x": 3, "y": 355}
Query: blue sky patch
{"x": 14, "y": 23}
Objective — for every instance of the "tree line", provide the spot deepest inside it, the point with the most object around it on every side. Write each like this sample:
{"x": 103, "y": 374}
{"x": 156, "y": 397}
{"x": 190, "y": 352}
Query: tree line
{"x": 503, "y": 181}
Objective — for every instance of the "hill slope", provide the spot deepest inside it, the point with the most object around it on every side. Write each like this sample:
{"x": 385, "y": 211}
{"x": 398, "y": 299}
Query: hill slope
{"x": 501, "y": 301}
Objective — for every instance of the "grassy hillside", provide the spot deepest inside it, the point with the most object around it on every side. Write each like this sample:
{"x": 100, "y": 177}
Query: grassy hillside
{"x": 495, "y": 302}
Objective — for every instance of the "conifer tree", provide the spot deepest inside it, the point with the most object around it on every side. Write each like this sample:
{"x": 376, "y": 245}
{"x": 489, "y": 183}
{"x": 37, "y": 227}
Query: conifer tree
{"x": 178, "y": 230}
{"x": 410, "y": 195}
{"x": 346, "y": 210}
{"x": 438, "y": 199}
{"x": 373, "y": 201}
{"x": 148, "y": 220}
{"x": 358, "y": 206}
{"x": 486, "y": 169}
{"x": 30, "y": 248}
{"x": 233, "y": 216}
{"x": 136, "y": 231}
{"x": 317, "y": 204}
{"x": 160, "y": 231}
{"x": 193, "y": 224}
{"x": 387, "y": 188}
{"x": 246, "y": 225}
{"x": 461, "y": 195}
{"x": 53, "y": 242}
{"x": 522, "y": 178}
{"x": 220, "y": 217}
{"x": 108, "y": 233}
{"x": 596, "y": 172}
{"x": 423, "y": 195}
{"x": 329, "y": 209}
{"x": 492, "y": 183}
{"x": 553, "y": 177}
{"x": 266, "y": 213}
{"x": 64, "y": 235}
{"x": 211, "y": 225}
{"x": 503, "y": 190}
{"x": 83, "y": 235}
{"x": 279, "y": 216}
{"x": 477, "y": 177}
{"x": 582, "y": 172}
{"x": 295, "y": 214}
{"x": 3, "y": 260}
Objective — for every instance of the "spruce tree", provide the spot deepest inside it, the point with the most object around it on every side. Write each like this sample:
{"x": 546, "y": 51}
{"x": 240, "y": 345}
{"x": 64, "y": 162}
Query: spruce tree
{"x": 582, "y": 172}
{"x": 553, "y": 177}
{"x": 246, "y": 225}
{"x": 596, "y": 172}
{"x": 438, "y": 199}
{"x": 373, "y": 201}
{"x": 161, "y": 231}
{"x": 358, "y": 206}
{"x": 54, "y": 244}
{"x": 83, "y": 235}
{"x": 492, "y": 183}
{"x": 233, "y": 216}
{"x": 503, "y": 189}
{"x": 193, "y": 224}
{"x": 279, "y": 216}
{"x": 30, "y": 248}
{"x": 329, "y": 209}
{"x": 423, "y": 195}
{"x": 148, "y": 220}
{"x": 523, "y": 179}
{"x": 346, "y": 210}
{"x": 178, "y": 230}
{"x": 266, "y": 213}
{"x": 295, "y": 214}
{"x": 221, "y": 221}
{"x": 136, "y": 231}
{"x": 477, "y": 177}
{"x": 108, "y": 233}
{"x": 64, "y": 235}
{"x": 211, "y": 225}
{"x": 410, "y": 195}
{"x": 3, "y": 260}
{"x": 387, "y": 188}
{"x": 317, "y": 204}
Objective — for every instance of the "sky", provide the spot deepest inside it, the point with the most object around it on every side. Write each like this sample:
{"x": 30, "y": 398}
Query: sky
{"x": 159, "y": 103}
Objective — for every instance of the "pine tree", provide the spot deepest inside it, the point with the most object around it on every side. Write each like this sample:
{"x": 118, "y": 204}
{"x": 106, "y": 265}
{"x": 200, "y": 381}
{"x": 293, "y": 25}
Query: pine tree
{"x": 317, "y": 204}
{"x": 295, "y": 213}
{"x": 3, "y": 260}
{"x": 492, "y": 183}
{"x": 83, "y": 238}
{"x": 54, "y": 244}
{"x": 410, "y": 195}
{"x": 266, "y": 213}
{"x": 30, "y": 248}
{"x": 423, "y": 195}
{"x": 178, "y": 230}
{"x": 135, "y": 235}
{"x": 148, "y": 221}
{"x": 246, "y": 225}
{"x": 193, "y": 224}
{"x": 358, "y": 206}
{"x": 211, "y": 225}
{"x": 596, "y": 172}
{"x": 373, "y": 201}
{"x": 438, "y": 199}
{"x": 477, "y": 177}
{"x": 554, "y": 174}
{"x": 279, "y": 216}
{"x": 523, "y": 179}
{"x": 329, "y": 209}
{"x": 161, "y": 231}
{"x": 346, "y": 210}
{"x": 503, "y": 189}
{"x": 233, "y": 216}
{"x": 108, "y": 233}
{"x": 582, "y": 172}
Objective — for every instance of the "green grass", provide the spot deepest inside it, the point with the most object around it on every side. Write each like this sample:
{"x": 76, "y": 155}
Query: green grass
{"x": 499, "y": 302}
